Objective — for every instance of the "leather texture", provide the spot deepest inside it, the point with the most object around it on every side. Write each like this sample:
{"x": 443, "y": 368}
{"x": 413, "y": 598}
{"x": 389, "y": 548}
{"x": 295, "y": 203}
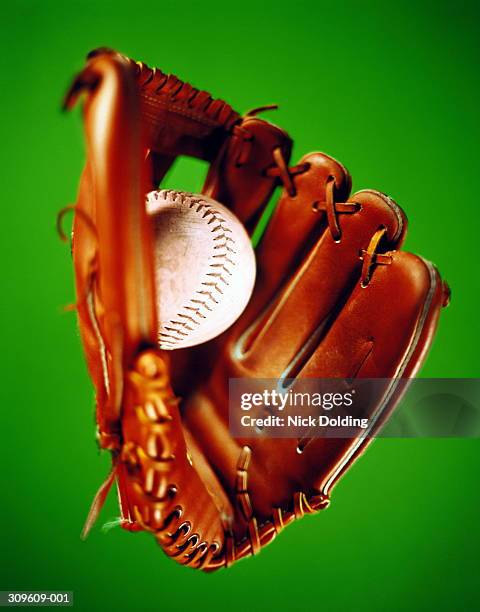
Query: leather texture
{"x": 335, "y": 298}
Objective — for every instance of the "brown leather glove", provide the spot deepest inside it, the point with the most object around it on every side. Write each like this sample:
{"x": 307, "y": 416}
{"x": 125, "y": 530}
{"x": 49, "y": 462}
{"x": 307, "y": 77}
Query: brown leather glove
{"x": 334, "y": 298}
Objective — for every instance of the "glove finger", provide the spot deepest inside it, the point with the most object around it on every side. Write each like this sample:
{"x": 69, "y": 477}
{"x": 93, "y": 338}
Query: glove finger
{"x": 383, "y": 322}
{"x": 116, "y": 317}
{"x": 383, "y": 331}
{"x": 283, "y": 337}
{"x": 295, "y": 226}
{"x": 241, "y": 177}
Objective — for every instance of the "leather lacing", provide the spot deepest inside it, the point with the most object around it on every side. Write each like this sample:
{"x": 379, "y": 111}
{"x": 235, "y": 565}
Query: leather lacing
{"x": 179, "y": 96}
{"x": 176, "y": 537}
{"x": 333, "y": 208}
{"x": 280, "y": 168}
{"x": 92, "y": 264}
{"x": 82, "y": 214}
{"x": 285, "y": 173}
{"x": 258, "y": 535}
{"x": 107, "y": 440}
{"x": 371, "y": 257}
{"x": 150, "y": 468}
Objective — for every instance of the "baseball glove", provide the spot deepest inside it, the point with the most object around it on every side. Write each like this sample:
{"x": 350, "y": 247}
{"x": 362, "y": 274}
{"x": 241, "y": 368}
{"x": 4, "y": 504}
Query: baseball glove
{"x": 334, "y": 298}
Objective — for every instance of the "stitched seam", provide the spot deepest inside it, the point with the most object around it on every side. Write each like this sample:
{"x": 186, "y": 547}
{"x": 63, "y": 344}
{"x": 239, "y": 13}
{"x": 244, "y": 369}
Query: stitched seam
{"x": 179, "y": 110}
{"x": 384, "y": 404}
{"x": 101, "y": 344}
{"x": 390, "y": 202}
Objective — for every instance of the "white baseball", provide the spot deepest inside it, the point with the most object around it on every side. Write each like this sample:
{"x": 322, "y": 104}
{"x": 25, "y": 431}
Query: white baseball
{"x": 205, "y": 267}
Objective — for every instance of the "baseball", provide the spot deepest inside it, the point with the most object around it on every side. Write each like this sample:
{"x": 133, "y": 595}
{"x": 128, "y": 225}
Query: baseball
{"x": 204, "y": 266}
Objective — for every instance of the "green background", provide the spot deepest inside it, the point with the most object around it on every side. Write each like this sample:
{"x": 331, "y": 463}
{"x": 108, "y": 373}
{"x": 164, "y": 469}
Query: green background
{"x": 392, "y": 90}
